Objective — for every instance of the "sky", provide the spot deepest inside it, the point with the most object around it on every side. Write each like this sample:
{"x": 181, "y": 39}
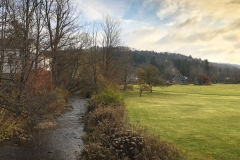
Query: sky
{"x": 206, "y": 29}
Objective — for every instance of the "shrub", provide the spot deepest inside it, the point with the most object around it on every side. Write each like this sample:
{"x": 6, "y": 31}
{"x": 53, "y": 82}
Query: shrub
{"x": 56, "y": 102}
{"x": 10, "y": 125}
{"x": 203, "y": 79}
{"x": 40, "y": 81}
{"x": 230, "y": 80}
{"x": 109, "y": 96}
{"x": 100, "y": 114}
{"x": 96, "y": 151}
{"x": 154, "y": 148}
{"x": 92, "y": 105}
{"x": 124, "y": 142}
{"x": 110, "y": 137}
{"x": 130, "y": 87}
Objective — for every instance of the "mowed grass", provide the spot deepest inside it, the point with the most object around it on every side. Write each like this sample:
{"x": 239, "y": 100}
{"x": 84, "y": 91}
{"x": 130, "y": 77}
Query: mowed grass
{"x": 203, "y": 121}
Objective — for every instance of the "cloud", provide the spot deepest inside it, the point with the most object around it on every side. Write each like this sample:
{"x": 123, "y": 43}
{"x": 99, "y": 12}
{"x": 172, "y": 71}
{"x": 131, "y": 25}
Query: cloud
{"x": 190, "y": 22}
{"x": 202, "y": 28}
{"x": 234, "y": 2}
{"x": 144, "y": 37}
{"x": 237, "y": 46}
{"x": 188, "y": 38}
{"x": 215, "y": 44}
{"x": 206, "y": 29}
{"x": 94, "y": 10}
{"x": 180, "y": 10}
{"x": 188, "y": 32}
{"x": 168, "y": 9}
{"x": 231, "y": 37}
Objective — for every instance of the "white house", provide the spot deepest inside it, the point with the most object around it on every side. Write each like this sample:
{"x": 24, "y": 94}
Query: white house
{"x": 45, "y": 63}
{"x": 12, "y": 61}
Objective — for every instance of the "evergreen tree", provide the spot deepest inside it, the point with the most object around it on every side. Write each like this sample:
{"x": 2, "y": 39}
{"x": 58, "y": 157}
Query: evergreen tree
{"x": 206, "y": 67}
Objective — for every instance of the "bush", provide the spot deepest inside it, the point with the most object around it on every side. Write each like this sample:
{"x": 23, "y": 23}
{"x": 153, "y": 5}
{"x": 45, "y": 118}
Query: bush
{"x": 203, "y": 79}
{"x": 54, "y": 102}
{"x": 39, "y": 106}
{"x": 130, "y": 87}
{"x": 39, "y": 81}
{"x": 123, "y": 142}
{"x": 10, "y": 125}
{"x": 97, "y": 116}
{"x": 156, "y": 149}
{"x": 230, "y": 81}
{"x": 96, "y": 151}
{"x": 92, "y": 105}
{"x": 110, "y": 137}
{"x": 109, "y": 96}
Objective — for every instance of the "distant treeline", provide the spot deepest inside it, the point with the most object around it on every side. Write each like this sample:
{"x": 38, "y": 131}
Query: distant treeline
{"x": 171, "y": 64}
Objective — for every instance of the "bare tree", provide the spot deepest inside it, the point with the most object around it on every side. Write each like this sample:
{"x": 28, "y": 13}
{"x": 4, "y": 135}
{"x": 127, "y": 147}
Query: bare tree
{"x": 3, "y": 28}
{"x": 110, "y": 39}
{"x": 125, "y": 69}
{"x": 94, "y": 54}
{"x": 61, "y": 26}
{"x": 16, "y": 32}
{"x": 38, "y": 29}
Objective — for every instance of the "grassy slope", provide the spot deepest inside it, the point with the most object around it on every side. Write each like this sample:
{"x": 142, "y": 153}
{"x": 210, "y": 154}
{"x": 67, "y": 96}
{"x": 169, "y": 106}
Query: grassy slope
{"x": 203, "y": 120}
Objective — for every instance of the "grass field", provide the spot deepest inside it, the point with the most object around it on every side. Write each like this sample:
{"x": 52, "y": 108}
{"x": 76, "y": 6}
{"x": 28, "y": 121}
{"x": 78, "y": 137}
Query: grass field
{"x": 203, "y": 121}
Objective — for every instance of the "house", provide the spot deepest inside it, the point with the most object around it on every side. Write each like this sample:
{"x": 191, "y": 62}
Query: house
{"x": 12, "y": 58}
{"x": 45, "y": 63}
{"x": 180, "y": 79}
{"x": 11, "y": 61}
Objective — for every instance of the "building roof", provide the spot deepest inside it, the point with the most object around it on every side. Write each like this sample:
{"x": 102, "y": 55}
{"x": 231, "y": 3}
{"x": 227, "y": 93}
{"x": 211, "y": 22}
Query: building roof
{"x": 179, "y": 79}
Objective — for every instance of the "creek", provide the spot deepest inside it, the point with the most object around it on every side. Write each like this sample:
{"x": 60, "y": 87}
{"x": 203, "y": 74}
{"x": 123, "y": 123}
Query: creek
{"x": 59, "y": 143}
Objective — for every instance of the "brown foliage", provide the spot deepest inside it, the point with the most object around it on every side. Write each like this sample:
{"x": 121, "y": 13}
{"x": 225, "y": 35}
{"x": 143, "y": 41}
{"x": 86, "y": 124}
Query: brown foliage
{"x": 203, "y": 79}
{"x": 110, "y": 137}
{"x": 40, "y": 81}
{"x": 100, "y": 114}
{"x": 103, "y": 153}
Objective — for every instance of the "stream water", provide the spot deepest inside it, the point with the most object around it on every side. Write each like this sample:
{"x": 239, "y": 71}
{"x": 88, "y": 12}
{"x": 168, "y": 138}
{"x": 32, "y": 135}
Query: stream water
{"x": 60, "y": 143}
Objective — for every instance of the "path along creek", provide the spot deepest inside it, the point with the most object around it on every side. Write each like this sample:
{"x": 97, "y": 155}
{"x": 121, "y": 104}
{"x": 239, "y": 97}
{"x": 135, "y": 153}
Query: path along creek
{"x": 59, "y": 143}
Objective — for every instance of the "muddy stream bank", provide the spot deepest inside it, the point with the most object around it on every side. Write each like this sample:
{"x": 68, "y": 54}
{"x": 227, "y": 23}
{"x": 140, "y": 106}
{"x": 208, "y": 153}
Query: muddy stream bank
{"x": 59, "y": 143}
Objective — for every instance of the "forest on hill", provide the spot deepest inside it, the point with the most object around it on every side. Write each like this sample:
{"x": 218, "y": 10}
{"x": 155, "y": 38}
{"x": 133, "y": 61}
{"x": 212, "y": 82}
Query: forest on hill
{"x": 172, "y": 64}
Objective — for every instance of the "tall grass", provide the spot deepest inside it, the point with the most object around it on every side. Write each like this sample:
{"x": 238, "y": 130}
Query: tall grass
{"x": 41, "y": 109}
{"x": 201, "y": 120}
{"x": 10, "y": 125}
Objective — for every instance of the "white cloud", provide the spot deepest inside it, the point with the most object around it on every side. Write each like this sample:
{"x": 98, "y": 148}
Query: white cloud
{"x": 202, "y": 28}
{"x": 168, "y": 9}
{"x": 144, "y": 37}
{"x": 206, "y": 29}
{"x": 95, "y": 9}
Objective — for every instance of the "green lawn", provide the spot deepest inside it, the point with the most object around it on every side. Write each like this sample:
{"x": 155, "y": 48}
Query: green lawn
{"x": 204, "y": 121}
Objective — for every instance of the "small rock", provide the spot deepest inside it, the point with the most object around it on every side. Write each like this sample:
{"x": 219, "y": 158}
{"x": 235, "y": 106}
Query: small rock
{"x": 23, "y": 138}
{"x": 51, "y": 151}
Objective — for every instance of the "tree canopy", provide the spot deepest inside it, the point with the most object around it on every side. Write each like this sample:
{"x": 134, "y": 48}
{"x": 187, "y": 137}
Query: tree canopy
{"x": 149, "y": 76}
